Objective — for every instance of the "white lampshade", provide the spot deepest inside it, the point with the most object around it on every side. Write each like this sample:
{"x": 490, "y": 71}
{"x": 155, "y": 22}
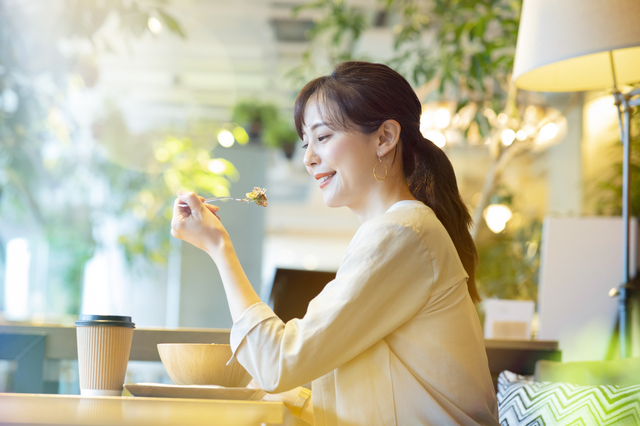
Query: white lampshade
{"x": 564, "y": 45}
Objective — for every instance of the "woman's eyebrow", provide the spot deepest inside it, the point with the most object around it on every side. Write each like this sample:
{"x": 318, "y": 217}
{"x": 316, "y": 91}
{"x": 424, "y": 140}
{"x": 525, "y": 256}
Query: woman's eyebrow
{"x": 315, "y": 126}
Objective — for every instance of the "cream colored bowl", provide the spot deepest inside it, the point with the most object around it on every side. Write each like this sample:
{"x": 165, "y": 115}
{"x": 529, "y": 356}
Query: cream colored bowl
{"x": 202, "y": 364}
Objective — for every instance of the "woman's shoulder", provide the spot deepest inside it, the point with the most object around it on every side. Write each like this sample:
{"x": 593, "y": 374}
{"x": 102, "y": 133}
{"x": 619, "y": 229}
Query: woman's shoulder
{"x": 404, "y": 221}
{"x": 410, "y": 227}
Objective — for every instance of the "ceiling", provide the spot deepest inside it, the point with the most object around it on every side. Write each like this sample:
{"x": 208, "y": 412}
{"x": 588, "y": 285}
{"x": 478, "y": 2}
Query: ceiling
{"x": 234, "y": 50}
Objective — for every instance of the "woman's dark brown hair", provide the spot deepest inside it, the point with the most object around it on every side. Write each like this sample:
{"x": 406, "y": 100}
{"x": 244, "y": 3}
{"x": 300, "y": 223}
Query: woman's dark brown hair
{"x": 361, "y": 96}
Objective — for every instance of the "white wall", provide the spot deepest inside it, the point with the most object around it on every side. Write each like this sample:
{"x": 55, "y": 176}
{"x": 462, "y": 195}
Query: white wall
{"x": 581, "y": 260}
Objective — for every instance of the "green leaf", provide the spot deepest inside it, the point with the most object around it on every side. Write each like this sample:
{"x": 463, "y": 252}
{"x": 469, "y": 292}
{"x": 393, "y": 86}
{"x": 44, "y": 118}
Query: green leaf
{"x": 171, "y": 23}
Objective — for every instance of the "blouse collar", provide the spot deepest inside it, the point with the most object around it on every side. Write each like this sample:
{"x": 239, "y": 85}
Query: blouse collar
{"x": 404, "y": 203}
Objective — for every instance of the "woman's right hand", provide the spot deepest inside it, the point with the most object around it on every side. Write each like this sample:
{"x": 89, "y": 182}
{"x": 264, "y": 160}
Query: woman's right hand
{"x": 197, "y": 223}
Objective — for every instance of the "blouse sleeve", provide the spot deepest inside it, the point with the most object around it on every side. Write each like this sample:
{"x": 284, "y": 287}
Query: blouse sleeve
{"x": 385, "y": 278}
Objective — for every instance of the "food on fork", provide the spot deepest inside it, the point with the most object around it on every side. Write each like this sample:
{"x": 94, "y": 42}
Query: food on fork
{"x": 258, "y": 196}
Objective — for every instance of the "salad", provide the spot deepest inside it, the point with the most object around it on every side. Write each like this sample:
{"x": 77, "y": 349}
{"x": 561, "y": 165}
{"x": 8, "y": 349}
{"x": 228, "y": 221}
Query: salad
{"x": 258, "y": 196}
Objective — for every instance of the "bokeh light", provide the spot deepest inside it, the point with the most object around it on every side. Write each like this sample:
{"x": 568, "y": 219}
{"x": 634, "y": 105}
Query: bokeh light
{"x": 225, "y": 138}
{"x": 507, "y": 137}
{"x": 310, "y": 262}
{"x": 497, "y": 216}
{"x": 547, "y": 133}
{"x": 155, "y": 26}
{"x": 162, "y": 155}
{"x": 442, "y": 118}
{"x": 241, "y": 135}
{"x": 216, "y": 166}
{"x": 436, "y": 137}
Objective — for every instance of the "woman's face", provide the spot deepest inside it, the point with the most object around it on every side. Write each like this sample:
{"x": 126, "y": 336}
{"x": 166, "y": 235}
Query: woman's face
{"x": 340, "y": 161}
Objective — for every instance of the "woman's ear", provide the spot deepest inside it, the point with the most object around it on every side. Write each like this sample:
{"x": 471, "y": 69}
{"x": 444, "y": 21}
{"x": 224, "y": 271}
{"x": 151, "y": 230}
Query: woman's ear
{"x": 388, "y": 136}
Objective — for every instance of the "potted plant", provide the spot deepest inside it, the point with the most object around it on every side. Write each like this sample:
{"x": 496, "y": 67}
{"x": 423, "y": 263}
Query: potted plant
{"x": 254, "y": 116}
{"x": 281, "y": 133}
{"x": 263, "y": 123}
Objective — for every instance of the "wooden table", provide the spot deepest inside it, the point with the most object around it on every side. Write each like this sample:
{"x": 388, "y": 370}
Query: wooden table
{"x": 54, "y": 343}
{"x": 519, "y": 356}
{"x": 42, "y": 409}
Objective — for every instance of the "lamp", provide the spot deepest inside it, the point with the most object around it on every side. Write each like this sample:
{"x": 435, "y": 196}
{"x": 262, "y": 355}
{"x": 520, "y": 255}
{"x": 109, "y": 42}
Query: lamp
{"x": 575, "y": 45}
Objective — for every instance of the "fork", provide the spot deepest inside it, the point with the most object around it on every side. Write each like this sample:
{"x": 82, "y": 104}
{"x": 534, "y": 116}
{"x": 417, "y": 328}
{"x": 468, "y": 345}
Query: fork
{"x": 209, "y": 200}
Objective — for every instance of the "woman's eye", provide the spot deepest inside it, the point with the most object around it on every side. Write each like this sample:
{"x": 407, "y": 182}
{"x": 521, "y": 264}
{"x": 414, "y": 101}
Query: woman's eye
{"x": 322, "y": 137}
{"x": 305, "y": 146}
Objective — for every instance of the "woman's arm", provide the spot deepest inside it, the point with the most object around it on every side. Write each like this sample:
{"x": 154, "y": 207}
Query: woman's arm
{"x": 385, "y": 278}
{"x": 199, "y": 225}
{"x": 240, "y": 292}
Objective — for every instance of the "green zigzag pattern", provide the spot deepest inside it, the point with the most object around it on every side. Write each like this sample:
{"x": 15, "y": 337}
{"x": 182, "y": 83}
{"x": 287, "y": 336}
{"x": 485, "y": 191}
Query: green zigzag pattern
{"x": 565, "y": 404}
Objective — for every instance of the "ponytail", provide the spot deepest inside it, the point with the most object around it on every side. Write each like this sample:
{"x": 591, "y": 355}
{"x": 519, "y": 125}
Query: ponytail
{"x": 432, "y": 180}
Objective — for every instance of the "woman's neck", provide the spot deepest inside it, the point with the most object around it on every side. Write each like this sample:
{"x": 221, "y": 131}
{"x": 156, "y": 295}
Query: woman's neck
{"x": 381, "y": 198}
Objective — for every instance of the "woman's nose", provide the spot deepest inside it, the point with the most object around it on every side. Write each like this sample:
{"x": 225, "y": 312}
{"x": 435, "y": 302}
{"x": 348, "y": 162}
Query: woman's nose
{"x": 310, "y": 157}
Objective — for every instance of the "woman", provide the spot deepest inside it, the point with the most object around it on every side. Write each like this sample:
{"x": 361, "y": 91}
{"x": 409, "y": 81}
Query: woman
{"x": 395, "y": 338}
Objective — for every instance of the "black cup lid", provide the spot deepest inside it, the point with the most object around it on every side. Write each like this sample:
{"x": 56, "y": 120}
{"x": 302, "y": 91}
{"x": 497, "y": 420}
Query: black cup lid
{"x": 104, "y": 320}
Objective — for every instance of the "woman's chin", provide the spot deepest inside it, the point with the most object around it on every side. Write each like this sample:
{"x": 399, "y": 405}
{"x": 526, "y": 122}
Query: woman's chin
{"x": 331, "y": 202}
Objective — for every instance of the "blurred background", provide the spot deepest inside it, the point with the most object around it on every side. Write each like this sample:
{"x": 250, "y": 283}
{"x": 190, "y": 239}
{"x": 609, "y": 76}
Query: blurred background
{"x": 108, "y": 107}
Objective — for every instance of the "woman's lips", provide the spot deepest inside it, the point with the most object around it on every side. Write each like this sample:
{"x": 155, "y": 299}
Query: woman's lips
{"x": 324, "y": 178}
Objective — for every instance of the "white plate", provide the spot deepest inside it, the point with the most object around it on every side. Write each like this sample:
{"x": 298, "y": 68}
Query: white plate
{"x": 199, "y": 392}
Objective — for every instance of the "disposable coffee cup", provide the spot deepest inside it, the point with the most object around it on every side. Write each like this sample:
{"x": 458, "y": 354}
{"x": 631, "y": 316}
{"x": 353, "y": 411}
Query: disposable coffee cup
{"x": 104, "y": 343}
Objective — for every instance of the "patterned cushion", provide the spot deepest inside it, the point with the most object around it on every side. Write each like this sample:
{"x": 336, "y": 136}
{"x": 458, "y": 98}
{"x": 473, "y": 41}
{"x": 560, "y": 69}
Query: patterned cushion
{"x": 522, "y": 401}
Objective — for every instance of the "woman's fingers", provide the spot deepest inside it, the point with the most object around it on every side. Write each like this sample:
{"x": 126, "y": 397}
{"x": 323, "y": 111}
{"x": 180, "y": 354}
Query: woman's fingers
{"x": 191, "y": 199}
{"x": 195, "y": 222}
{"x": 213, "y": 209}
{"x": 180, "y": 210}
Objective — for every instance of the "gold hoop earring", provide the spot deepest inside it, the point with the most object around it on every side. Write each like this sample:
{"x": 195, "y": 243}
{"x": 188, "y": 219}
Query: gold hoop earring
{"x": 385, "y": 170}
